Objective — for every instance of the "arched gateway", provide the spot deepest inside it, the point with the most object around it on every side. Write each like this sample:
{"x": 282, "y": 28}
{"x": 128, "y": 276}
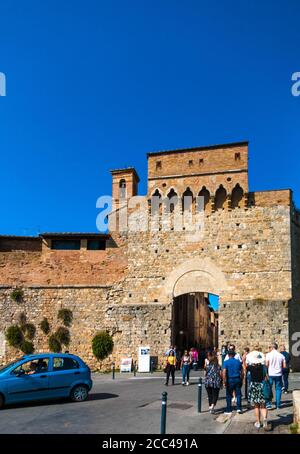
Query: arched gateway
{"x": 194, "y": 322}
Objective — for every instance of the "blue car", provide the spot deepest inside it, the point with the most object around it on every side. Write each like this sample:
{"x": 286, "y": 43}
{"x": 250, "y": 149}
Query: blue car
{"x": 45, "y": 376}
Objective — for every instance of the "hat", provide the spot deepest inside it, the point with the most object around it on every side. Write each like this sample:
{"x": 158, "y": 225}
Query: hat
{"x": 255, "y": 357}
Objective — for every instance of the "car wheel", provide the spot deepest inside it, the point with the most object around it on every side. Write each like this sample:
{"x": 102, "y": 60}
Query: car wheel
{"x": 1, "y": 401}
{"x": 79, "y": 393}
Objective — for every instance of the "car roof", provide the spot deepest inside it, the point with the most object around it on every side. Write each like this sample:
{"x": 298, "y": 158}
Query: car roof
{"x": 43, "y": 355}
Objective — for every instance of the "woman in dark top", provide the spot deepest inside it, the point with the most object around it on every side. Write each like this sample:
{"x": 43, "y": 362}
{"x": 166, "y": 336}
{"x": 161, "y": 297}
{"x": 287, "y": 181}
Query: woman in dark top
{"x": 258, "y": 372}
{"x": 212, "y": 380}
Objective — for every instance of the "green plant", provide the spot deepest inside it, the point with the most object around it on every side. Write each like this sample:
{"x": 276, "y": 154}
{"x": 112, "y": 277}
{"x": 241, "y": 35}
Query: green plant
{"x": 44, "y": 325}
{"x": 27, "y": 347}
{"x": 54, "y": 344}
{"x": 17, "y": 295}
{"x": 14, "y": 336}
{"x": 102, "y": 345}
{"x": 63, "y": 335}
{"x": 29, "y": 330}
{"x": 66, "y": 316}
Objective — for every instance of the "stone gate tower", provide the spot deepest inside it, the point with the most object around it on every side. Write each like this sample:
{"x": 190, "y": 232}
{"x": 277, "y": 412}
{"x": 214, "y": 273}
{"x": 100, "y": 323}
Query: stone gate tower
{"x": 152, "y": 286}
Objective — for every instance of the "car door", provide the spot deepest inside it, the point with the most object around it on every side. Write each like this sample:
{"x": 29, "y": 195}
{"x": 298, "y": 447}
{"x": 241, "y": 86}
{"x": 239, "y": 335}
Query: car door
{"x": 28, "y": 385}
{"x": 63, "y": 373}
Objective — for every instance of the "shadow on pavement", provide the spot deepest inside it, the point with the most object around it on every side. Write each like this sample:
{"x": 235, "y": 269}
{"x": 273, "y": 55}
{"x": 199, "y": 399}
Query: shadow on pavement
{"x": 102, "y": 396}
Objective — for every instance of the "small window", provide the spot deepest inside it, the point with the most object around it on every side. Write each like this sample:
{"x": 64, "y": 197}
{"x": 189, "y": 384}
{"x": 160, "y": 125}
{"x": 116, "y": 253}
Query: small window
{"x": 65, "y": 244}
{"x": 237, "y": 156}
{"x": 122, "y": 189}
{"x": 158, "y": 165}
{"x": 96, "y": 245}
{"x": 191, "y": 163}
{"x": 64, "y": 364}
{"x": 201, "y": 161}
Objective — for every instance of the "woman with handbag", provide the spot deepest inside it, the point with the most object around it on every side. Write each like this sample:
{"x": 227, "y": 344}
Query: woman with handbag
{"x": 259, "y": 389}
{"x": 170, "y": 367}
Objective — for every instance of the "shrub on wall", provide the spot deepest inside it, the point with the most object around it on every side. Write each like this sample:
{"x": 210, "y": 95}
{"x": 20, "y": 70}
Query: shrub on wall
{"x": 27, "y": 347}
{"x": 29, "y": 330}
{"x": 66, "y": 316}
{"x": 102, "y": 345}
{"x": 44, "y": 325}
{"x": 63, "y": 335}
{"x": 54, "y": 344}
{"x": 17, "y": 295}
{"x": 14, "y": 336}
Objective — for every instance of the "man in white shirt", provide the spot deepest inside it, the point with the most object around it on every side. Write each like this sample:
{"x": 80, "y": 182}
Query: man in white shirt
{"x": 275, "y": 362}
{"x": 236, "y": 356}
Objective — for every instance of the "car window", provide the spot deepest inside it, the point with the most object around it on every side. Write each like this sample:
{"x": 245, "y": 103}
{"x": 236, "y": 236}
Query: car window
{"x": 36, "y": 366}
{"x": 64, "y": 364}
{"x": 7, "y": 366}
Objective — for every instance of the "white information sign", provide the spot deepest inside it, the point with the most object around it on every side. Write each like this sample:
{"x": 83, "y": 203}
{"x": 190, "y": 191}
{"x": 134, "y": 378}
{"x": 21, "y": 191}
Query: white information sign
{"x": 144, "y": 359}
{"x": 126, "y": 364}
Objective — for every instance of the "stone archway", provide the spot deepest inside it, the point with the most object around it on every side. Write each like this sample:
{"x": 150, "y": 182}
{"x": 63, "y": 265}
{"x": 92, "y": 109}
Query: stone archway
{"x": 194, "y": 322}
{"x": 196, "y": 275}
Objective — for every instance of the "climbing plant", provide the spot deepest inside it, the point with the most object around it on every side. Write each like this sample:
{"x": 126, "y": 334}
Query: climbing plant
{"x": 17, "y": 295}
{"x": 66, "y": 316}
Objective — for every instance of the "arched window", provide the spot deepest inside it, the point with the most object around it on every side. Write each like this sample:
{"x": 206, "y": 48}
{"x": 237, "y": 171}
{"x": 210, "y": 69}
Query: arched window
{"x": 122, "y": 189}
{"x": 173, "y": 200}
{"x": 220, "y": 198}
{"x": 187, "y": 200}
{"x": 236, "y": 196}
{"x": 156, "y": 202}
{"x": 206, "y": 196}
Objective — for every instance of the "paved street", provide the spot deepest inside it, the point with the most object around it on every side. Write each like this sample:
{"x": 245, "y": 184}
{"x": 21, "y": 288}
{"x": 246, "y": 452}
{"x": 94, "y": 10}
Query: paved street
{"x": 132, "y": 405}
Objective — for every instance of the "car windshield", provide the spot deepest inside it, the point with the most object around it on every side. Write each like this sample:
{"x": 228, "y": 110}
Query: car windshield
{"x": 7, "y": 366}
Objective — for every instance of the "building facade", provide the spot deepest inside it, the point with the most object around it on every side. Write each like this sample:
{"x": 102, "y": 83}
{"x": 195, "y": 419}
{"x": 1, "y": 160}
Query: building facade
{"x": 150, "y": 286}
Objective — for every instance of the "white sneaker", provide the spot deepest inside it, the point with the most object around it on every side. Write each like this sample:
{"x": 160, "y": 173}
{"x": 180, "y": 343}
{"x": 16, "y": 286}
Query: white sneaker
{"x": 265, "y": 424}
{"x": 257, "y": 425}
{"x": 187, "y": 383}
{"x": 228, "y": 413}
{"x": 239, "y": 411}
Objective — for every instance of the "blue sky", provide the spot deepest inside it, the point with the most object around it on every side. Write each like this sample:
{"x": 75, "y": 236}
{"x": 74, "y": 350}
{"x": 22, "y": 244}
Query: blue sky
{"x": 93, "y": 85}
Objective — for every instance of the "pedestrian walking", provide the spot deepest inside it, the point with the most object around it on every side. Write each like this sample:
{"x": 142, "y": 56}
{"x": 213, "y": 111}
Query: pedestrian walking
{"x": 185, "y": 368}
{"x": 223, "y": 353}
{"x": 236, "y": 355}
{"x": 275, "y": 362}
{"x": 194, "y": 359}
{"x": 213, "y": 380}
{"x": 233, "y": 378}
{"x": 170, "y": 367}
{"x": 247, "y": 375}
{"x": 286, "y": 369}
{"x": 257, "y": 397}
{"x": 178, "y": 359}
